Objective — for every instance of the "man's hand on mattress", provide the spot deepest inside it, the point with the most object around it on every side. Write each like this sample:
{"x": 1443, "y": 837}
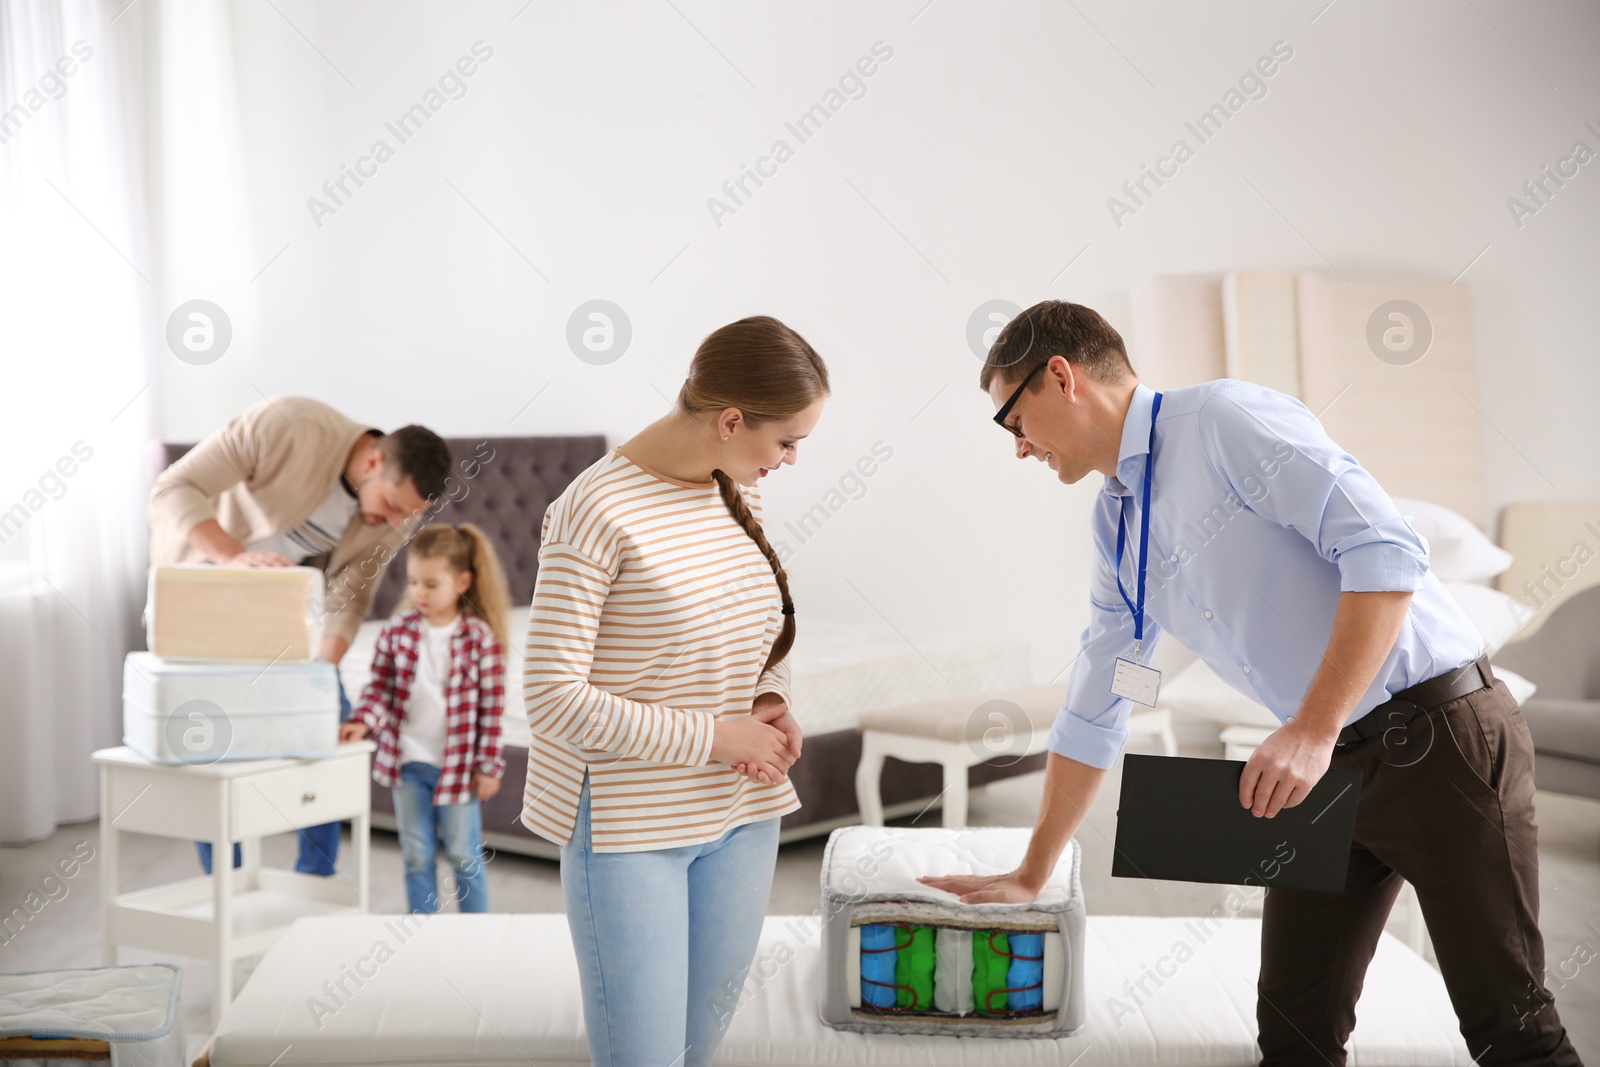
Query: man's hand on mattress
{"x": 984, "y": 888}
{"x": 484, "y": 786}
{"x": 352, "y": 730}
{"x": 1282, "y": 771}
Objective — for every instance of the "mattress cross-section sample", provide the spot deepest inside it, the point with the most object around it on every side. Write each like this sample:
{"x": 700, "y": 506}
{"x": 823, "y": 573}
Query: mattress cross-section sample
{"x": 899, "y": 956}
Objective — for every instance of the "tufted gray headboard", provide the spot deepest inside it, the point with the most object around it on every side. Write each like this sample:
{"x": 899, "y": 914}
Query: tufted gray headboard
{"x": 502, "y": 484}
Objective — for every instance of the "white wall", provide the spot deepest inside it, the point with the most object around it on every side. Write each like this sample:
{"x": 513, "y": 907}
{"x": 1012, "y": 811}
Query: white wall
{"x": 977, "y": 165}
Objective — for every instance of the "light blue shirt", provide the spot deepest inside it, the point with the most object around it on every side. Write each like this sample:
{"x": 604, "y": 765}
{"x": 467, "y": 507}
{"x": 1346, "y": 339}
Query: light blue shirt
{"x": 1258, "y": 521}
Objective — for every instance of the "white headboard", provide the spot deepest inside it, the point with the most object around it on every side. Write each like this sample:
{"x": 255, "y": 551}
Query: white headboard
{"x": 1412, "y": 420}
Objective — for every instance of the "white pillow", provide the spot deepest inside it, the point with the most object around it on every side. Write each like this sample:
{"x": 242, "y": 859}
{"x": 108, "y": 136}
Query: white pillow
{"x": 1457, "y": 550}
{"x": 1521, "y": 688}
{"x": 1197, "y": 690}
{"x": 1496, "y": 616}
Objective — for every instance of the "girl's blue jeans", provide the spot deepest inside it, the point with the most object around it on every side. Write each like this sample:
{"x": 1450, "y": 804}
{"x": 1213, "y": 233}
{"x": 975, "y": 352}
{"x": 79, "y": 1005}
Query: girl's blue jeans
{"x": 664, "y": 939}
{"x": 426, "y": 829}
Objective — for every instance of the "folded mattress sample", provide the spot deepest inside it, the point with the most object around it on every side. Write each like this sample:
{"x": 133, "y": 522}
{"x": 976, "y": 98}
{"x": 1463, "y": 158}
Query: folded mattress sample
{"x": 200, "y": 611}
{"x": 899, "y": 956}
{"x": 202, "y": 712}
{"x": 131, "y": 1008}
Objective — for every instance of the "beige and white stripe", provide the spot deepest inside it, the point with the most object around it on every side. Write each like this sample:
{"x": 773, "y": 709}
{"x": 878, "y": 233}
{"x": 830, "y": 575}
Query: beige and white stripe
{"x": 653, "y": 614}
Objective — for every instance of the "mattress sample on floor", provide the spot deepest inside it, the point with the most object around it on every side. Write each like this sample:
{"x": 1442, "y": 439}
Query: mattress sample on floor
{"x": 203, "y": 711}
{"x": 199, "y": 611}
{"x": 132, "y": 1009}
{"x": 904, "y": 958}
{"x": 412, "y": 991}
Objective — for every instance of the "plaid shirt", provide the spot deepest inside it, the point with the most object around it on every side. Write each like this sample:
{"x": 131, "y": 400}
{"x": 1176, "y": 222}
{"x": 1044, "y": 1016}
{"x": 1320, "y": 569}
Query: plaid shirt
{"x": 473, "y": 700}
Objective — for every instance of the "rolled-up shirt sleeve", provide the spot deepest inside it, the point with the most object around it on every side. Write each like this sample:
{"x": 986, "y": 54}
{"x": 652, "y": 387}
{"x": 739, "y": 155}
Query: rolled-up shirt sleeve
{"x": 1092, "y": 726}
{"x": 1283, "y": 466}
{"x": 775, "y": 679}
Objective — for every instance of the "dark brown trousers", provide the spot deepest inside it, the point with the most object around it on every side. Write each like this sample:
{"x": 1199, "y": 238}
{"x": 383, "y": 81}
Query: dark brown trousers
{"x": 1446, "y": 804}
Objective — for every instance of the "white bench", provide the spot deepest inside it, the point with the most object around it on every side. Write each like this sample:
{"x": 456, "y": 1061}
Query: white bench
{"x": 503, "y": 989}
{"x": 961, "y": 732}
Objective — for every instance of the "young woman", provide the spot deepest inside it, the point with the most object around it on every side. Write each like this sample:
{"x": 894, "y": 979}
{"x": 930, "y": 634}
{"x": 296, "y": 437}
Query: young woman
{"x": 657, "y": 692}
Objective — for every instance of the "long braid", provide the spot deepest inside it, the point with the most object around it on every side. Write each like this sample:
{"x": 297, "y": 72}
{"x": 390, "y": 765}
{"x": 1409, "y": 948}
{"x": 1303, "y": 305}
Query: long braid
{"x": 752, "y": 526}
{"x": 767, "y": 371}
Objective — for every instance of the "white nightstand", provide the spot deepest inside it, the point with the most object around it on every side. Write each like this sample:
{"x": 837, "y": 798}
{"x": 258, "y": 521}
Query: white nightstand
{"x": 229, "y": 914}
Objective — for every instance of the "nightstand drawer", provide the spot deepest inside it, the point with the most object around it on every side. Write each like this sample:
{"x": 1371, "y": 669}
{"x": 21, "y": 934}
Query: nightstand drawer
{"x": 301, "y": 796}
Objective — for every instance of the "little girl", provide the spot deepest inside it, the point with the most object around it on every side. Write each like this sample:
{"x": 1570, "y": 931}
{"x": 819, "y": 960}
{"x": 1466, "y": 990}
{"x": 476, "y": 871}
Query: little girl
{"x": 433, "y": 705}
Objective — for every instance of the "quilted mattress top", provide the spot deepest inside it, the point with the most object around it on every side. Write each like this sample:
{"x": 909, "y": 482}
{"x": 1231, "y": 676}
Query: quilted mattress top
{"x": 871, "y": 863}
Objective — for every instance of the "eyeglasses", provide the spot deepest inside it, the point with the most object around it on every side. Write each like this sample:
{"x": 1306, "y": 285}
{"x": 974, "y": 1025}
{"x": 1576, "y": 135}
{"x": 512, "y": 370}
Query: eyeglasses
{"x": 1005, "y": 409}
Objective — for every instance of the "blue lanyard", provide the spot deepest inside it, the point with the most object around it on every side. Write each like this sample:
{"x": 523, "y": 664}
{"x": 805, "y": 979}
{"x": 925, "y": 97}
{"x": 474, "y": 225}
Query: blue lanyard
{"x": 1144, "y": 537}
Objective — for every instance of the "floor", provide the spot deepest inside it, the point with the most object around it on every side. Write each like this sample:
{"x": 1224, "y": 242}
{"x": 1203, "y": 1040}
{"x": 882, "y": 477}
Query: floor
{"x": 66, "y": 932}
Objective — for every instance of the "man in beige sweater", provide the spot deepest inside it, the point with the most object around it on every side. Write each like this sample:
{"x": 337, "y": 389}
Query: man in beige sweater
{"x": 290, "y": 481}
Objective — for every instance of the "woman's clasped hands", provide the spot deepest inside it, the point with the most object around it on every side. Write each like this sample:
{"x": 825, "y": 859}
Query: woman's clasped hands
{"x": 761, "y": 746}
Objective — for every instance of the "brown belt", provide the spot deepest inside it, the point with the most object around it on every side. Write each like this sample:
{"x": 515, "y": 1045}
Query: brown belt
{"x": 1409, "y": 703}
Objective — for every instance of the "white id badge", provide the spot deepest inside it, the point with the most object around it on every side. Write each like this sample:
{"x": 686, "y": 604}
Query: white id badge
{"x": 1136, "y": 682}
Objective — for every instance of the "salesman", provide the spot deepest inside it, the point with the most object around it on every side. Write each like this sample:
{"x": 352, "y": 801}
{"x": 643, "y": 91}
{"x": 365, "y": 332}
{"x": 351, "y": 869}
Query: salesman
{"x": 1310, "y": 593}
{"x": 290, "y": 482}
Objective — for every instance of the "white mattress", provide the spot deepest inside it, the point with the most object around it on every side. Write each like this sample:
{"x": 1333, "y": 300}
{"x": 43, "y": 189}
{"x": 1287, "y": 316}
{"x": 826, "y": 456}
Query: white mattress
{"x": 839, "y": 670}
{"x": 201, "y": 711}
{"x": 355, "y": 670}
{"x": 503, "y": 989}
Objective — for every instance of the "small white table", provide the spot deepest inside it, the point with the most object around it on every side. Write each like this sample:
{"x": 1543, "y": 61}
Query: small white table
{"x": 230, "y": 914}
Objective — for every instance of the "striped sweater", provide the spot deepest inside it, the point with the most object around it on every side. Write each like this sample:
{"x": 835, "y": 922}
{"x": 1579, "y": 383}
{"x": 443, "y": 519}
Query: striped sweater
{"x": 653, "y": 614}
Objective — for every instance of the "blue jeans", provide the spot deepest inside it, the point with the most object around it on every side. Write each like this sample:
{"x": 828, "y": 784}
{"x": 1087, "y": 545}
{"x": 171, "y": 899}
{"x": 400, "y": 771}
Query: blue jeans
{"x": 664, "y": 939}
{"x": 426, "y": 829}
{"x": 319, "y": 845}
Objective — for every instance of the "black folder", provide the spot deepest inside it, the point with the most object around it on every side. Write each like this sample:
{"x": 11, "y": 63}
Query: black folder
{"x": 1180, "y": 819}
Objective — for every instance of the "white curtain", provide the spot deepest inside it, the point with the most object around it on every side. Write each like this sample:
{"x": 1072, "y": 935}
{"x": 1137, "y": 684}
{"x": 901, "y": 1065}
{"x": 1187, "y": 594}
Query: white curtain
{"x": 75, "y": 339}
{"x": 86, "y": 284}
